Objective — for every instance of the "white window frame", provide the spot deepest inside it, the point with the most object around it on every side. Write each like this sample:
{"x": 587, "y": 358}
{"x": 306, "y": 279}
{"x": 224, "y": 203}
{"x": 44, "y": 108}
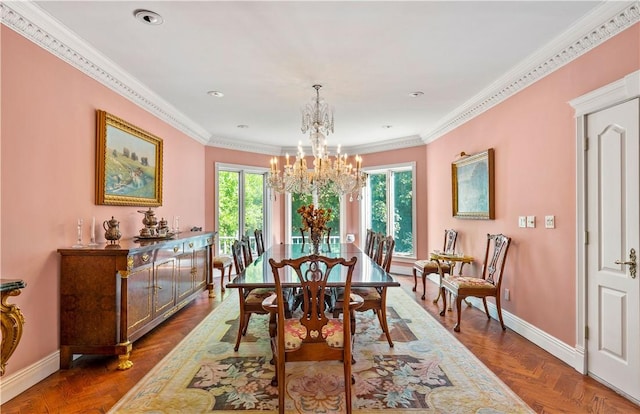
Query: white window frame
{"x": 288, "y": 233}
{"x": 365, "y": 218}
{"x": 244, "y": 169}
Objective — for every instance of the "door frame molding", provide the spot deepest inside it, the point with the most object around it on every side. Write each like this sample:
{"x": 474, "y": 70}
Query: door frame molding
{"x": 609, "y": 95}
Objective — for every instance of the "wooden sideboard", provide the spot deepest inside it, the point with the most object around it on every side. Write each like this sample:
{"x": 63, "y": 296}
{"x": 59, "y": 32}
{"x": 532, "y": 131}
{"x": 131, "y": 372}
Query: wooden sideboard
{"x": 111, "y": 296}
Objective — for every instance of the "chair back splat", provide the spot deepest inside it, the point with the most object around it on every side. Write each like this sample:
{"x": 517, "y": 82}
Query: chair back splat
{"x": 368, "y": 243}
{"x": 311, "y": 335}
{"x": 489, "y": 284}
{"x": 259, "y": 241}
{"x": 246, "y": 250}
{"x": 238, "y": 258}
{"x": 450, "y": 238}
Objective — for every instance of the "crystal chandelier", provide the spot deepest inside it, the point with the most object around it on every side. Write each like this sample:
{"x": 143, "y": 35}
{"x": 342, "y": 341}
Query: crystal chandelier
{"x": 330, "y": 174}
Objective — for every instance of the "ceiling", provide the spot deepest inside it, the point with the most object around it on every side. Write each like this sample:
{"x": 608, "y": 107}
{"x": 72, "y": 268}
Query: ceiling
{"x": 369, "y": 57}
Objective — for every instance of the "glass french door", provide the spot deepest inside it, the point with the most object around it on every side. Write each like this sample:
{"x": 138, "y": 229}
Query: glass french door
{"x": 241, "y": 207}
{"x": 325, "y": 201}
{"x": 389, "y": 206}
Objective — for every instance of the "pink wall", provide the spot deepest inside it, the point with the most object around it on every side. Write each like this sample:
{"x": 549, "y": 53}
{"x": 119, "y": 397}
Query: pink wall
{"x": 48, "y": 179}
{"x": 534, "y": 137}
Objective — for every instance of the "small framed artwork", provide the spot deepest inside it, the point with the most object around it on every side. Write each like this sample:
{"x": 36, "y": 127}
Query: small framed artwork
{"x": 128, "y": 164}
{"x": 472, "y": 179}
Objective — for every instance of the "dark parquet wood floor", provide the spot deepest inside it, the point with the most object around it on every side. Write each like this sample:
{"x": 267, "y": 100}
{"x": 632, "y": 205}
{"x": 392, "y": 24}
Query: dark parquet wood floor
{"x": 545, "y": 383}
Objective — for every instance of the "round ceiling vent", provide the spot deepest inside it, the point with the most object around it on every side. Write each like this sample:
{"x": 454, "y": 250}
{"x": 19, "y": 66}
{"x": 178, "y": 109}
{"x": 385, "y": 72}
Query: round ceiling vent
{"x": 148, "y": 17}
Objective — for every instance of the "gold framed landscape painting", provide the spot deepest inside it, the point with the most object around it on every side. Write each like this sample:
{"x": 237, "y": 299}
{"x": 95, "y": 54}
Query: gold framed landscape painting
{"x": 128, "y": 164}
{"x": 472, "y": 179}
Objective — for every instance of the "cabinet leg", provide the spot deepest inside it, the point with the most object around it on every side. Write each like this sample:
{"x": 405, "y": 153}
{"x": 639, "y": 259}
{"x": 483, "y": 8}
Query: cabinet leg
{"x": 123, "y": 358}
{"x": 65, "y": 357}
{"x": 124, "y": 362}
{"x": 212, "y": 288}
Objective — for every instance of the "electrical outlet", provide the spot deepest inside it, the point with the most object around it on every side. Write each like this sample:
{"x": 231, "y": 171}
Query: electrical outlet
{"x": 522, "y": 221}
{"x": 550, "y": 222}
{"x": 531, "y": 221}
{"x": 507, "y": 294}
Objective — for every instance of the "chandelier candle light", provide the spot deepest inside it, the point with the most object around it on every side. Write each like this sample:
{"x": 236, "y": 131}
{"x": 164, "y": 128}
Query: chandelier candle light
{"x": 337, "y": 175}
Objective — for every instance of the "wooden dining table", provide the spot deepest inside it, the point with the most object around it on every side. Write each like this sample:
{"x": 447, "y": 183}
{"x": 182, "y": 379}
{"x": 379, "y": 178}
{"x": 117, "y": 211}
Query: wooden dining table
{"x": 258, "y": 274}
{"x": 367, "y": 273}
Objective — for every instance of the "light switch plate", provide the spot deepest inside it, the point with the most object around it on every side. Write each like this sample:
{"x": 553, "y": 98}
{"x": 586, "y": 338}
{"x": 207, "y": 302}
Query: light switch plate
{"x": 550, "y": 222}
{"x": 522, "y": 221}
{"x": 531, "y": 221}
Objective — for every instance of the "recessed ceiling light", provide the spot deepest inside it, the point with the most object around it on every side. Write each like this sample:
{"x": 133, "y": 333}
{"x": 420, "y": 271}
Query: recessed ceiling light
{"x": 387, "y": 126}
{"x": 243, "y": 126}
{"x": 148, "y": 17}
{"x": 217, "y": 94}
{"x": 416, "y": 94}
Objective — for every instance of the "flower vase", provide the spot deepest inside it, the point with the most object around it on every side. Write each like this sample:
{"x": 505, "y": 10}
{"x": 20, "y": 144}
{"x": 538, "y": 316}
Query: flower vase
{"x": 316, "y": 237}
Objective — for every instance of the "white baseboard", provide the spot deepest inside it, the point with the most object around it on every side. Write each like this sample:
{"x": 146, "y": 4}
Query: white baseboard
{"x": 571, "y": 356}
{"x": 20, "y": 381}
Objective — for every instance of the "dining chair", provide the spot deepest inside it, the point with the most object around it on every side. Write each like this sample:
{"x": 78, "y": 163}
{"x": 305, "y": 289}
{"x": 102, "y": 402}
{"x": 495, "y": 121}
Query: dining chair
{"x": 368, "y": 243}
{"x": 375, "y": 298}
{"x": 311, "y": 335}
{"x": 247, "y": 254}
{"x": 259, "y": 241}
{"x": 427, "y": 266}
{"x": 487, "y": 285}
{"x": 378, "y": 247}
{"x": 250, "y": 299}
{"x": 222, "y": 263}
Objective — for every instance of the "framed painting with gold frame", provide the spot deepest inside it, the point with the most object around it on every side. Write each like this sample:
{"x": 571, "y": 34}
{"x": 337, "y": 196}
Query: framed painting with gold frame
{"x": 472, "y": 179}
{"x": 128, "y": 164}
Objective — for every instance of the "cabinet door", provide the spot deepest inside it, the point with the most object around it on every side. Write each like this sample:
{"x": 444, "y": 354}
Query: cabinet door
{"x": 200, "y": 267}
{"x": 140, "y": 298}
{"x": 164, "y": 287}
{"x": 184, "y": 276}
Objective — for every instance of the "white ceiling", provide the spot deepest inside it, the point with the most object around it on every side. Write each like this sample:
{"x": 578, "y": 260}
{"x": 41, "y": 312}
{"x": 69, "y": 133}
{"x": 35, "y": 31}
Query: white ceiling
{"x": 369, "y": 56}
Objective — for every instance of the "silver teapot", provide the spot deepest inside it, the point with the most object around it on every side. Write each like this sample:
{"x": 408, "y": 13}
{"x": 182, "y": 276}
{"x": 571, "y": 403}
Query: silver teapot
{"x": 112, "y": 230}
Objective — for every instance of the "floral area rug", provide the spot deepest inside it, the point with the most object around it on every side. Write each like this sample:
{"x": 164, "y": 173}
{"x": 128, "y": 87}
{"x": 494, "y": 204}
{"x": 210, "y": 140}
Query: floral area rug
{"x": 427, "y": 371}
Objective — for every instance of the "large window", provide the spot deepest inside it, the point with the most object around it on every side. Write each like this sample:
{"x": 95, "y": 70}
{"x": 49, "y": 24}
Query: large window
{"x": 389, "y": 205}
{"x": 241, "y": 207}
{"x": 325, "y": 201}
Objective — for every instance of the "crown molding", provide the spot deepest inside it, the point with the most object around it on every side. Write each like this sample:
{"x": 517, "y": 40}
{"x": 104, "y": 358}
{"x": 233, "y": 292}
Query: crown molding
{"x": 388, "y": 145}
{"x": 606, "y": 21}
{"x": 246, "y": 146}
{"x": 601, "y": 24}
{"x": 30, "y": 21}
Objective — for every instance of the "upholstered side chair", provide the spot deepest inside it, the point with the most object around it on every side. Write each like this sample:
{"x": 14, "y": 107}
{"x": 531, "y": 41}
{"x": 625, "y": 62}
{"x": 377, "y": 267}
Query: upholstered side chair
{"x": 487, "y": 285}
{"x": 427, "y": 266}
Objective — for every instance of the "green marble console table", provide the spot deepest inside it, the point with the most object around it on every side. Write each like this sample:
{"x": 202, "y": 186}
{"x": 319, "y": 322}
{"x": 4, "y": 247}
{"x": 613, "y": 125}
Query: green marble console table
{"x": 11, "y": 318}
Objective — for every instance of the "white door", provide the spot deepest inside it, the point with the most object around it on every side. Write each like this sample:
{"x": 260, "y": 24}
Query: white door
{"x": 613, "y": 211}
